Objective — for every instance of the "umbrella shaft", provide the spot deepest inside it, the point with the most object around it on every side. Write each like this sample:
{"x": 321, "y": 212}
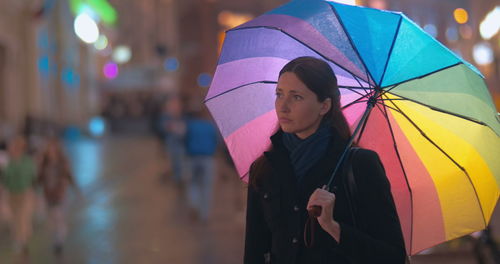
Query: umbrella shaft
{"x": 371, "y": 103}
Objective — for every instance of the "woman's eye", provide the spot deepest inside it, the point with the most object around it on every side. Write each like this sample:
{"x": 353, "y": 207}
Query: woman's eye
{"x": 279, "y": 95}
{"x": 297, "y": 97}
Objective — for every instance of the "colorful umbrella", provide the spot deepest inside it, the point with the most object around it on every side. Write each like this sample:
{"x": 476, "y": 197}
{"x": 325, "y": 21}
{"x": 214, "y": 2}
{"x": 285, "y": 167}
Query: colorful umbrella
{"x": 429, "y": 114}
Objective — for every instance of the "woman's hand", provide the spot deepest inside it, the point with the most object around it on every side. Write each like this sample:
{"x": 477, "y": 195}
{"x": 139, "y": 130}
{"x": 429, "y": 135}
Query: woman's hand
{"x": 325, "y": 200}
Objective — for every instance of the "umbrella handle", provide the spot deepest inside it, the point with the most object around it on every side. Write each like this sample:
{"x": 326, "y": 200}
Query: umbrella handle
{"x": 315, "y": 211}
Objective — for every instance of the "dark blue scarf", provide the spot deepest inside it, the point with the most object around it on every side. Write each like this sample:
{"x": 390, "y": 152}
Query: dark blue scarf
{"x": 305, "y": 153}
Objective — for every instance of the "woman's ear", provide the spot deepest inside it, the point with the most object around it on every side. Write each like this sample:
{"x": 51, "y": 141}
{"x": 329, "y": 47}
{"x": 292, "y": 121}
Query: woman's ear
{"x": 326, "y": 105}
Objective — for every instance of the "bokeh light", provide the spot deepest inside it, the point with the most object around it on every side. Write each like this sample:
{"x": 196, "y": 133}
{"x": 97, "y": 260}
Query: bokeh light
{"x": 466, "y": 31}
{"x": 101, "y": 43}
{"x": 461, "y": 15}
{"x": 97, "y": 126}
{"x": 86, "y": 28}
{"x": 44, "y": 65}
{"x": 230, "y": 20}
{"x": 431, "y": 29}
{"x": 347, "y": 2}
{"x": 483, "y": 53}
{"x": 122, "y": 54}
{"x": 452, "y": 34}
{"x": 490, "y": 26}
{"x": 378, "y": 4}
{"x": 171, "y": 64}
{"x": 110, "y": 70}
{"x": 70, "y": 78}
{"x": 457, "y": 52}
{"x": 204, "y": 79}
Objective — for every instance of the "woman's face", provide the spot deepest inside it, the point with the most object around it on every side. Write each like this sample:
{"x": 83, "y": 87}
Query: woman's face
{"x": 297, "y": 107}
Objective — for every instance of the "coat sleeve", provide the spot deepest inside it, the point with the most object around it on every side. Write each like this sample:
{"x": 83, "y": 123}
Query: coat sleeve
{"x": 380, "y": 240}
{"x": 257, "y": 233}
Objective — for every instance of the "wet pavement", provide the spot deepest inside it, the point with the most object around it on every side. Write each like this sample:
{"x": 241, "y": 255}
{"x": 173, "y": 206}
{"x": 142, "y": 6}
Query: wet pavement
{"x": 127, "y": 212}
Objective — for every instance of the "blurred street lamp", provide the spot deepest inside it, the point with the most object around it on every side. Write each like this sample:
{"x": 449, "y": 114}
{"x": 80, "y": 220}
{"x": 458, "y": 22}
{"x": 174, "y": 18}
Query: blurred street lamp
{"x": 491, "y": 24}
{"x": 86, "y": 28}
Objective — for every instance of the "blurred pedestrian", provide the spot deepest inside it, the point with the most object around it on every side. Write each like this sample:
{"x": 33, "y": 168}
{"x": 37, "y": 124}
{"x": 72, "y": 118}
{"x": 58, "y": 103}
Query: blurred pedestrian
{"x": 5, "y": 215}
{"x": 174, "y": 123}
{"x": 201, "y": 144}
{"x": 54, "y": 177}
{"x": 18, "y": 178}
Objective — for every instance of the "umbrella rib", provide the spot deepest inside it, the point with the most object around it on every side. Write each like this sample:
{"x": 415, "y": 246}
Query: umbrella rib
{"x": 423, "y": 76}
{"x": 364, "y": 101}
{"x": 296, "y": 39}
{"x": 357, "y": 92}
{"x": 392, "y": 99}
{"x": 439, "y": 110}
{"x": 390, "y": 50}
{"x": 232, "y": 89}
{"x": 368, "y": 73}
{"x": 362, "y": 87}
{"x": 362, "y": 129}
{"x": 357, "y": 101}
{"x": 390, "y": 89}
{"x": 396, "y": 149}
{"x": 354, "y": 87}
{"x": 447, "y": 155}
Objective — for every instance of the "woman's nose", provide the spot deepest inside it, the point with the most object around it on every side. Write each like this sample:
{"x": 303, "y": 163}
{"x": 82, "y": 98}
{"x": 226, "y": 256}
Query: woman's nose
{"x": 283, "y": 106}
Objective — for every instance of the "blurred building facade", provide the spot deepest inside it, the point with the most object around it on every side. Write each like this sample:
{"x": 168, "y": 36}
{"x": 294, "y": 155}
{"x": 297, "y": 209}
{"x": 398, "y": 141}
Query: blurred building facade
{"x": 19, "y": 90}
{"x": 47, "y": 72}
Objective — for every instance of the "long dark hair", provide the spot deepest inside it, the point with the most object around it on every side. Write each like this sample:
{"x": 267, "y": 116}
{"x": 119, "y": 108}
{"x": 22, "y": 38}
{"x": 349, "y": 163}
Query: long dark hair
{"x": 318, "y": 77}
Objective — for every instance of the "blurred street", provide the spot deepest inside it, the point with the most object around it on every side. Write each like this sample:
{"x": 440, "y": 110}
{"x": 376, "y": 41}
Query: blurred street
{"x": 128, "y": 213}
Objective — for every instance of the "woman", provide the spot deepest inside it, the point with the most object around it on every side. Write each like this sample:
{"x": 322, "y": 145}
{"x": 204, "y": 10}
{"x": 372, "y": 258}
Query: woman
{"x": 284, "y": 182}
{"x": 54, "y": 178}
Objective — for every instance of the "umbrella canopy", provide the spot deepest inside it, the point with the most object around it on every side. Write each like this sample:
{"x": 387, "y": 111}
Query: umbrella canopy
{"x": 428, "y": 113}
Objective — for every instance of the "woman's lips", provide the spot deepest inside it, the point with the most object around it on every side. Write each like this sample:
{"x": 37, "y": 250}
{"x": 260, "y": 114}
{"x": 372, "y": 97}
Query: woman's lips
{"x": 284, "y": 120}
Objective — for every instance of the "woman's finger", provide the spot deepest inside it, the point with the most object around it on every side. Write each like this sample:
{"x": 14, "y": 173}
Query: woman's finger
{"x": 321, "y": 201}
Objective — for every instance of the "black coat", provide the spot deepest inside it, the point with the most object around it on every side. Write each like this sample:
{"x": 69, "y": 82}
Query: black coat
{"x": 276, "y": 212}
